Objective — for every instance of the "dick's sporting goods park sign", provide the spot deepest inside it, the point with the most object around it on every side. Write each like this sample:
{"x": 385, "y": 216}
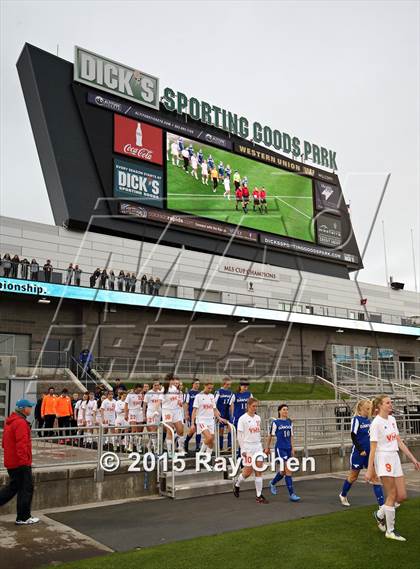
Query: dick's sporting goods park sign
{"x": 135, "y": 85}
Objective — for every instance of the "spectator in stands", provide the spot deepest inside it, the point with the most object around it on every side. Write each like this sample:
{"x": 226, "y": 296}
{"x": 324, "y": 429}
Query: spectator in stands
{"x": 15, "y": 267}
{"x": 34, "y": 270}
{"x": 86, "y": 360}
{"x": 17, "y": 447}
{"x": 104, "y": 277}
{"x": 157, "y": 286}
{"x": 111, "y": 280}
{"x": 73, "y": 420}
{"x": 94, "y": 277}
{"x": 77, "y": 275}
{"x": 24, "y": 269}
{"x": 143, "y": 284}
{"x": 120, "y": 280}
{"x": 48, "y": 411}
{"x": 6, "y": 265}
{"x": 118, "y": 386}
{"x": 64, "y": 412}
{"x": 48, "y": 269}
{"x": 70, "y": 272}
{"x": 37, "y": 415}
{"x": 133, "y": 281}
{"x": 127, "y": 282}
{"x": 151, "y": 285}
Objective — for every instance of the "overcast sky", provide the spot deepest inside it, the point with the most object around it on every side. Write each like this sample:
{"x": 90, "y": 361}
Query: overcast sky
{"x": 342, "y": 74}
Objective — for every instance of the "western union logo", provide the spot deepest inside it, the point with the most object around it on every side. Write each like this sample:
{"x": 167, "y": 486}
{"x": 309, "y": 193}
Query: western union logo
{"x": 107, "y": 75}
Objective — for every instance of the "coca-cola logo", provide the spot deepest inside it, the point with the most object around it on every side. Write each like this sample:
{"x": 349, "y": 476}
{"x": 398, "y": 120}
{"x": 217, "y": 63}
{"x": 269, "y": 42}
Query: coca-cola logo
{"x": 143, "y": 153}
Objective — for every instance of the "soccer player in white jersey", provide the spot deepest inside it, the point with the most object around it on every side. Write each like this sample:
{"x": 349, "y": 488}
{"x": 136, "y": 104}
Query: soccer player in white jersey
{"x": 204, "y": 414}
{"x": 153, "y": 411}
{"x": 172, "y": 413}
{"x": 385, "y": 442}
{"x": 79, "y": 410}
{"x": 249, "y": 440}
{"x": 194, "y": 166}
{"x": 134, "y": 414}
{"x": 175, "y": 153}
{"x": 107, "y": 411}
{"x": 204, "y": 173}
{"x": 89, "y": 415}
{"x": 226, "y": 184}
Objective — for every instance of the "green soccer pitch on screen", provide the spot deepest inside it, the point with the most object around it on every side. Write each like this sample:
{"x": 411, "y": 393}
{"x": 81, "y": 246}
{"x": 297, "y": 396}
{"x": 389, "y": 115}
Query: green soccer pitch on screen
{"x": 210, "y": 182}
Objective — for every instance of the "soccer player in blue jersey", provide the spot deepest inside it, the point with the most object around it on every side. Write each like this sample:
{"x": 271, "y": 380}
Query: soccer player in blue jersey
{"x": 222, "y": 398}
{"x": 180, "y": 144}
{"x": 221, "y": 171}
{"x": 228, "y": 172}
{"x": 210, "y": 162}
{"x": 200, "y": 157}
{"x": 239, "y": 403}
{"x": 359, "y": 457}
{"x": 282, "y": 430}
{"x": 190, "y": 150}
{"x": 188, "y": 411}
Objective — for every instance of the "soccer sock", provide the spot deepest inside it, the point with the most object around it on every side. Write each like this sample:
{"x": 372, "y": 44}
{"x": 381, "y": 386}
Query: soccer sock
{"x": 346, "y": 487}
{"x": 289, "y": 484}
{"x": 229, "y": 441}
{"x": 258, "y": 485}
{"x": 240, "y": 479}
{"x": 221, "y": 437}
{"x": 203, "y": 448}
{"x": 277, "y": 478}
{"x": 181, "y": 441}
{"x": 197, "y": 441}
{"x": 187, "y": 440}
{"x": 379, "y": 493}
{"x": 169, "y": 446}
{"x": 389, "y": 518}
{"x": 381, "y": 512}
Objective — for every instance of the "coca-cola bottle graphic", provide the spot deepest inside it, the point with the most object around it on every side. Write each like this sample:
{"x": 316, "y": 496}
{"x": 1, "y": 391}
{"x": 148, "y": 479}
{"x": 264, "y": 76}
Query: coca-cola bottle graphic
{"x": 139, "y": 135}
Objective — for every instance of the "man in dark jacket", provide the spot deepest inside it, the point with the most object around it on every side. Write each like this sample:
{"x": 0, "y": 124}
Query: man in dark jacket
{"x": 17, "y": 448}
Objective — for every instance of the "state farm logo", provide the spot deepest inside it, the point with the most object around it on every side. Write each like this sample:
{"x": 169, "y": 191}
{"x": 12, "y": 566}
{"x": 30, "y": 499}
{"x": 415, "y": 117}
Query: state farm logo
{"x": 136, "y": 139}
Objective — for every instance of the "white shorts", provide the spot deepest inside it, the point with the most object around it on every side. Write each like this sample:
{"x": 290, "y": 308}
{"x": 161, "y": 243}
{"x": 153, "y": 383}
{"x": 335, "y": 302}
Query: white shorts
{"x": 388, "y": 464}
{"x": 250, "y": 451}
{"x": 178, "y": 415}
{"x": 168, "y": 415}
{"x": 108, "y": 421}
{"x": 80, "y": 421}
{"x": 89, "y": 421}
{"x": 153, "y": 419}
{"x": 121, "y": 422}
{"x": 135, "y": 416}
{"x": 205, "y": 425}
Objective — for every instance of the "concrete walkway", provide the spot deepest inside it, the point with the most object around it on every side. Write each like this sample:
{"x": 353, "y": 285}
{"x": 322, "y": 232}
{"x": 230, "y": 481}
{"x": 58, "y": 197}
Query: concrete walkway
{"x": 81, "y": 532}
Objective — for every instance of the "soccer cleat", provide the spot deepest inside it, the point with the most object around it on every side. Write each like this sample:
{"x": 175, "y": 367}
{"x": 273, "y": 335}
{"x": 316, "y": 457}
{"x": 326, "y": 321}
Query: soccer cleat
{"x": 236, "y": 491}
{"x": 381, "y": 522}
{"x": 27, "y": 522}
{"x": 397, "y": 505}
{"x": 261, "y": 500}
{"x": 394, "y": 535}
{"x": 343, "y": 500}
{"x": 294, "y": 498}
{"x": 273, "y": 489}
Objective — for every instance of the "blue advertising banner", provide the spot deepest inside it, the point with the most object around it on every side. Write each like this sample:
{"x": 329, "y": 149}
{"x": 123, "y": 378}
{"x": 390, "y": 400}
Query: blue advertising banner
{"x": 45, "y": 290}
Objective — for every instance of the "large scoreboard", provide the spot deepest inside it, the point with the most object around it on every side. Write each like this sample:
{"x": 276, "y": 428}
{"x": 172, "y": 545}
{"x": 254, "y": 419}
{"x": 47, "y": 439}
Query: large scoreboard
{"x": 116, "y": 160}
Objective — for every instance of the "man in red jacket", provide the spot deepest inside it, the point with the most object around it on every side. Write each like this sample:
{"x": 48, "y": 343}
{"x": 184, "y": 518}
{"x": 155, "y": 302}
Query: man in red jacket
{"x": 17, "y": 448}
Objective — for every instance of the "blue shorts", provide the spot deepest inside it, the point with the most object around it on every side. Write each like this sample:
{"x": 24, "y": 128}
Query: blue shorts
{"x": 283, "y": 453}
{"x": 357, "y": 462}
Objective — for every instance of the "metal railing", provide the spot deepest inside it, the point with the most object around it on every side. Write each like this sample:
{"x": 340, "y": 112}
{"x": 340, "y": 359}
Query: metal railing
{"x": 250, "y": 299}
{"x": 40, "y": 358}
{"x": 83, "y": 446}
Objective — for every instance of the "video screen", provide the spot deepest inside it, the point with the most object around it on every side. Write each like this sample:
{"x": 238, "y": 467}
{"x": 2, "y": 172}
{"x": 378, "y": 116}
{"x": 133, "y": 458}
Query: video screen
{"x": 210, "y": 182}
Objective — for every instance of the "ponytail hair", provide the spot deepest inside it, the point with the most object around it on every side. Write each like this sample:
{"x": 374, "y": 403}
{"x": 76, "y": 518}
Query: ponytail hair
{"x": 377, "y": 402}
{"x": 359, "y": 405}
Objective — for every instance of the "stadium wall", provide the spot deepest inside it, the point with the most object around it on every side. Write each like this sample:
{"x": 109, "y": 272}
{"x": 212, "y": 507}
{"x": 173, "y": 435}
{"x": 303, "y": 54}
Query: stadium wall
{"x": 188, "y": 272}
